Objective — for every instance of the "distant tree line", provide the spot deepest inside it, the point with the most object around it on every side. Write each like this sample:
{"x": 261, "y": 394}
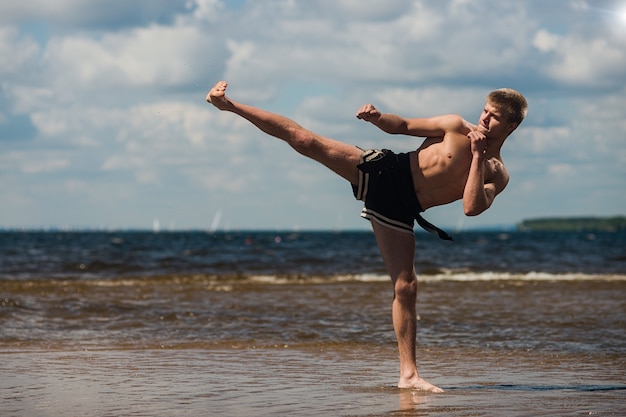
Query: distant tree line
{"x": 592, "y": 224}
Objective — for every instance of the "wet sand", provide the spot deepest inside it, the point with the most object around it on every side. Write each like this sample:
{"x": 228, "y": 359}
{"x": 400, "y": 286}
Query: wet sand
{"x": 318, "y": 380}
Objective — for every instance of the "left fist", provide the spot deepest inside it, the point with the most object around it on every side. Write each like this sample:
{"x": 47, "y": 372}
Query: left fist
{"x": 478, "y": 142}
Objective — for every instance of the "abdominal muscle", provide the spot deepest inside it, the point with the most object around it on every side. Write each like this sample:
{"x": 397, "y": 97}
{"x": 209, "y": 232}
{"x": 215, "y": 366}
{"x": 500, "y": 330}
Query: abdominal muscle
{"x": 440, "y": 169}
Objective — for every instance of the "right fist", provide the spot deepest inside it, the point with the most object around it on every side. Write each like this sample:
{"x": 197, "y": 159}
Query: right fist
{"x": 369, "y": 113}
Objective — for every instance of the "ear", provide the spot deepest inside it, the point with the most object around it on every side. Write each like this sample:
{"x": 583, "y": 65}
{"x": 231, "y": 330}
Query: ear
{"x": 512, "y": 126}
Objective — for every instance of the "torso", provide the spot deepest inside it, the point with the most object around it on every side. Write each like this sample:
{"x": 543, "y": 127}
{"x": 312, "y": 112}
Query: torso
{"x": 440, "y": 169}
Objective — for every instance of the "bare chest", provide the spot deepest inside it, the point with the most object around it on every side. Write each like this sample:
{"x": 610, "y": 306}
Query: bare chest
{"x": 443, "y": 167}
{"x": 451, "y": 154}
{"x": 445, "y": 156}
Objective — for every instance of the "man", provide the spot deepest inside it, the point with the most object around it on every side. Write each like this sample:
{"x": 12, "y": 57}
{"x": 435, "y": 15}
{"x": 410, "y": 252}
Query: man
{"x": 457, "y": 160}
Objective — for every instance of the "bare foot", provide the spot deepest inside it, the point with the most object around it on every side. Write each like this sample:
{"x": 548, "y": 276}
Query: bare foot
{"x": 217, "y": 95}
{"x": 418, "y": 383}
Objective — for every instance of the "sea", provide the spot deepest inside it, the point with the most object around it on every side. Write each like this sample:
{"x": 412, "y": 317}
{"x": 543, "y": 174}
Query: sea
{"x": 298, "y": 323}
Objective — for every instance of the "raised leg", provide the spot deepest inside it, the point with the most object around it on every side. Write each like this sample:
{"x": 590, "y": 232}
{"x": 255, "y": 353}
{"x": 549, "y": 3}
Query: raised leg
{"x": 340, "y": 157}
{"x": 397, "y": 250}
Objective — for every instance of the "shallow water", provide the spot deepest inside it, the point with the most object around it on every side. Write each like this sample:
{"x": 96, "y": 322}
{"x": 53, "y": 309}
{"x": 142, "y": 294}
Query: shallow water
{"x": 320, "y": 381}
{"x": 497, "y": 347}
{"x": 140, "y": 324}
{"x": 560, "y": 316}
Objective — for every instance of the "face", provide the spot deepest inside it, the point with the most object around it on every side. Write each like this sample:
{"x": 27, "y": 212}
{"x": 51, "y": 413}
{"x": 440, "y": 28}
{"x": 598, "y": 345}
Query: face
{"x": 493, "y": 123}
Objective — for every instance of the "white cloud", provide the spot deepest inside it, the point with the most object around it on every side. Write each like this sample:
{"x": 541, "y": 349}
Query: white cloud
{"x": 430, "y": 101}
{"x": 546, "y": 41}
{"x": 117, "y": 100}
{"x": 151, "y": 56}
{"x": 15, "y": 52}
{"x": 48, "y": 125}
{"x": 26, "y": 98}
{"x": 582, "y": 60}
{"x": 561, "y": 171}
{"x": 207, "y": 10}
{"x": 34, "y": 162}
{"x": 46, "y": 165}
{"x": 88, "y": 13}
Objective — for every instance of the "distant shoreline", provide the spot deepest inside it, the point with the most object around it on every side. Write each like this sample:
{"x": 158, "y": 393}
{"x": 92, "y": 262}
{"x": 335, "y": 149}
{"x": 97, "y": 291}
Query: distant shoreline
{"x": 573, "y": 224}
{"x": 564, "y": 224}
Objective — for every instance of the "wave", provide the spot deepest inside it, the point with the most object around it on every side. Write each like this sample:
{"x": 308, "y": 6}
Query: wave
{"x": 449, "y": 276}
{"x": 230, "y": 282}
{"x": 529, "y": 276}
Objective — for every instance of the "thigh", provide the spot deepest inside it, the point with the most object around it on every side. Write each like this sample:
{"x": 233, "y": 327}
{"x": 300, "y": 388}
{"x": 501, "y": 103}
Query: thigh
{"x": 342, "y": 158}
{"x": 397, "y": 249}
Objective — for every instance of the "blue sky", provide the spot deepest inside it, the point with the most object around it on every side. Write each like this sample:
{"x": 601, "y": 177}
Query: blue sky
{"x": 103, "y": 122}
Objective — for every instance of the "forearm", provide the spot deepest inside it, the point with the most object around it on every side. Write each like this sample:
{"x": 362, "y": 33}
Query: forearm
{"x": 391, "y": 123}
{"x": 475, "y": 196}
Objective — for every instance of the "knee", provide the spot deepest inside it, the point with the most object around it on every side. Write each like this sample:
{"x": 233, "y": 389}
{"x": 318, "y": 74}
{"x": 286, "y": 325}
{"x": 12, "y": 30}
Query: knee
{"x": 405, "y": 288}
{"x": 305, "y": 142}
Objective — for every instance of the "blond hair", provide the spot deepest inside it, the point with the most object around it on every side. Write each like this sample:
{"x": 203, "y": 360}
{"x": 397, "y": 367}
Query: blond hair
{"x": 510, "y": 102}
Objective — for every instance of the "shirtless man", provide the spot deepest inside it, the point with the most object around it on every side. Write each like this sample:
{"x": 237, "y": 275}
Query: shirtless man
{"x": 457, "y": 160}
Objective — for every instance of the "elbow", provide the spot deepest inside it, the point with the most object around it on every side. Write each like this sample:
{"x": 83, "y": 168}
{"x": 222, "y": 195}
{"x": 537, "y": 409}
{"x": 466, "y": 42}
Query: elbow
{"x": 473, "y": 204}
{"x": 471, "y": 213}
{"x": 399, "y": 129}
{"x": 395, "y": 130}
{"x": 473, "y": 210}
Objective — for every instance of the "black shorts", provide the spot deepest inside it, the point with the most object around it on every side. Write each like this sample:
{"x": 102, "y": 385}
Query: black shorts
{"x": 386, "y": 187}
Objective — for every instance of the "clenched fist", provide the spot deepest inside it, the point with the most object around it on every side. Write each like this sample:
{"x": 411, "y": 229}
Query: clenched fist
{"x": 478, "y": 142}
{"x": 369, "y": 113}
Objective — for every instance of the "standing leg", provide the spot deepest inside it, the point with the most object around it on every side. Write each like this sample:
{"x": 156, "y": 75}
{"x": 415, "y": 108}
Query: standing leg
{"x": 340, "y": 157}
{"x": 397, "y": 250}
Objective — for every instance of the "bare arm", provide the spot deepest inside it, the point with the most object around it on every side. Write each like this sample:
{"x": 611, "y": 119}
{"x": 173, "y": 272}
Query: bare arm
{"x": 478, "y": 195}
{"x": 422, "y": 127}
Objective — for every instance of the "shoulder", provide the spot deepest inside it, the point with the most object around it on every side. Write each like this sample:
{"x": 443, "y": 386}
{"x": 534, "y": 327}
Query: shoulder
{"x": 436, "y": 125}
{"x": 455, "y": 123}
{"x": 496, "y": 174}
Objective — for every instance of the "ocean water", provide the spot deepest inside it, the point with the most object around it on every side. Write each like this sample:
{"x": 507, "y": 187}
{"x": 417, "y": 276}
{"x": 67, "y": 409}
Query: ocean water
{"x": 298, "y": 323}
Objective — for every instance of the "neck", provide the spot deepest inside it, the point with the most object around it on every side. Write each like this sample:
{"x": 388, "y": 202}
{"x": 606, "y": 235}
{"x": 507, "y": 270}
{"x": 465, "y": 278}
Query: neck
{"x": 494, "y": 146}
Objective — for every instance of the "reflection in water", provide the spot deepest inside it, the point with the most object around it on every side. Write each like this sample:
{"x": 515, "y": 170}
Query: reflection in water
{"x": 409, "y": 399}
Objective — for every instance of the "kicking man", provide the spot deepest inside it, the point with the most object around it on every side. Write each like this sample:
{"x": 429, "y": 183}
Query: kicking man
{"x": 457, "y": 161}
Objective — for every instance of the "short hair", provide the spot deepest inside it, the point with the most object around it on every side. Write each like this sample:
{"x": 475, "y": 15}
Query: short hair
{"x": 510, "y": 102}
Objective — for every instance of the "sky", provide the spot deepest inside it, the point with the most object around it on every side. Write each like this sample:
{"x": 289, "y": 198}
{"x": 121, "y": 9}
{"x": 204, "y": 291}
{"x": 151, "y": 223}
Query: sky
{"x": 104, "y": 124}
